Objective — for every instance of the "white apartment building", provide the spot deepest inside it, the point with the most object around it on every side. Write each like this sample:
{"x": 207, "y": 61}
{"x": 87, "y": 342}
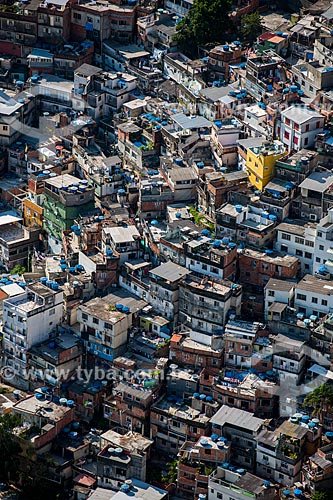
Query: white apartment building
{"x": 124, "y": 240}
{"x": 314, "y": 297}
{"x": 299, "y": 127}
{"x": 29, "y": 319}
{"x": 323, "y": 261}
{"x": 289, "y": 360}
{"x": 224, "y": 484}
{"x": 278, "y": 291}
{"x": 298, "y": 240}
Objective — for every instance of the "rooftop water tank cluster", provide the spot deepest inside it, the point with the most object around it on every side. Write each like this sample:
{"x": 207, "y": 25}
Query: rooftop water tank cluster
{"x": 122, "y": 308}
{"x": 49, "y": 283}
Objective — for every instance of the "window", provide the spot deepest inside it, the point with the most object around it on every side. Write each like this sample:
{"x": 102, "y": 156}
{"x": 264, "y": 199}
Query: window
{"x": 307, "y": 127}
{"x": 299, "y": 240}
{"x": 309, "y": 243}
{"x": 285, "y": 236}
{"x": 96, "y": 321}
{"x": 76, "y": 15}
{"x": 318, "y": 260}
{"x": 4, "y": 127}
{"x": 287, "y": 135}
{"x": 314, "y": 300}
{"x": 287, "y": 121}
{"x": 108, "y": 326}
{"x": 84, "y": 316}
{"x": 52, "y": 311}
{"x": 271, "y": 293}
{"x": 324, "y": 302}
{"x": 321, "y": 247}
{"x": 306, "y": 141}
{"x": 319, "y": 234}
{"x": 219, "y": 496}
{"x": 295, "y": 140}
{"x": 299, "y": 253}
{"x": 308, "y": 255}
{"x": 301, "y": 296}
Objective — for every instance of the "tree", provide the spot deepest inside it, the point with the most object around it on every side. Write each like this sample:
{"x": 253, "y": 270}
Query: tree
{"x": 320, "y": 400}
{"x": 18, "y": 270}
{"x": 9, "y": 446}
{"x": 319, "y": 495}
{"x": 206, "y": 22}
{"x": 251, "y": 26}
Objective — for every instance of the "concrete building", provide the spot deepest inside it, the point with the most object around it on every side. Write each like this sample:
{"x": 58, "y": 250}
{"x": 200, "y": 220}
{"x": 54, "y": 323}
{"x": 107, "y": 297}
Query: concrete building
{"x": 164, "y": 289}
{"x": 297, "y": 239}
{"x": 171, "y": 425}
{"x": 17, "y": 243}
{"x": 104, "y": 324}
{"x": 299, "y": 127}
{"x": 313, "y": 297}
{"x": 125, "y": 241}
{"x": 241, "y": 428}
{"x": 55, "y": 361}
{"x": 29, "y": 319}
{"x": 223, "y": 483}
{"x": 278, "y": 291}
{"x": 260, "y": 163}
{"x": 64, "y": 200}
{"x": 114, "y": 466}
{"x": 205, "y": 304}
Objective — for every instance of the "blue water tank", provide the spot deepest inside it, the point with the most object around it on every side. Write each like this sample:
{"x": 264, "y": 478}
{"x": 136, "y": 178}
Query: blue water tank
{"x": 272, "y": 217}
{"x": 119, "y": 307}
{"x": 76, "y": 284}
{"x": 49, "y": 283}
{"x": 239, "y": 208}
{"x": 126, "y": 309}
{"x": 43, "y": 280}
{"x": 55, "y": 286}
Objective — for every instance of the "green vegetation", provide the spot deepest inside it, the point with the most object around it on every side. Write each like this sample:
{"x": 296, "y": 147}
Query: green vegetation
{"x": 201, "y": 220}
{"x": 322, "y": 495}
{"x": 251, "y": 27}
{"x": 9, "y": 8}
{"x": 206, "y": 23}
{"x": 9, "y": 446}
{"x": 18, "y": 270}
{"x": 320, "y": 399}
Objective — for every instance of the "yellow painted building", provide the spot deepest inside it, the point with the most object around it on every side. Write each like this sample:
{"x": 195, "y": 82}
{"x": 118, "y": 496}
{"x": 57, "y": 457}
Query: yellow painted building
{"x": 260, "y": 163}
{"x": 32, "y": 214}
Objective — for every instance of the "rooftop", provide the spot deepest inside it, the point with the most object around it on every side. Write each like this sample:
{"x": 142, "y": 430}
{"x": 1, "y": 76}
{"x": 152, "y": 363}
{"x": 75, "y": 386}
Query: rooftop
{"x": 311, "y": 284}
{"x": 280, "y": 285}
{"x": 300, "y": 114}
{"x": 31, "y": 405}
{"x": 104, "y": 308}
{"x": 122, "y": 234}
{"x": 238, "y": 418}
{"x": 131, "y": 441}
{"x": 318, "y": 181}
{"x": 169, "y": 272}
